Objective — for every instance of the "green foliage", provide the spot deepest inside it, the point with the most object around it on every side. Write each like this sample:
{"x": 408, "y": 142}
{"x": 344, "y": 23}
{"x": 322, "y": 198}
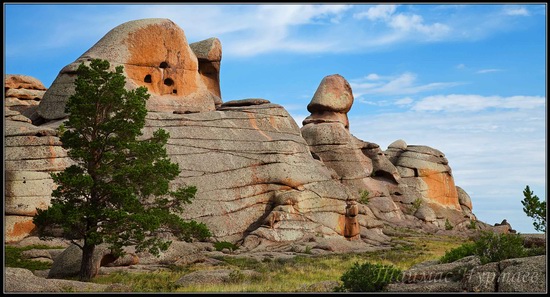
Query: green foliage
{"x": 467, "y": 249}
{"x": 13, "y": 258}
{"x": 118, "y": 189}
{"x": 535, "y": 209}
{"x": 307, "y": 250}
{"x": 364, "y": 196}
{"x": 472, "y": 225}
{"x": 368, "y": 277}
{"x": 219, "y": 246}
{"x": 416, "y": 204}
{"x": 448, "y": 225}
{"x": 490, "y": 247}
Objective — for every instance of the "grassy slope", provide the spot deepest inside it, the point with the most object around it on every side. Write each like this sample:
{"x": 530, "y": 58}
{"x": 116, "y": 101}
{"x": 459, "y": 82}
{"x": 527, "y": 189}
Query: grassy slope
{"x": 290, "y": 275}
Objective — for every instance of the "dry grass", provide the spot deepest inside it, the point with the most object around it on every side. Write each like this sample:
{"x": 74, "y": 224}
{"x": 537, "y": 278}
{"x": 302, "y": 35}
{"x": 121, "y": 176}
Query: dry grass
{"x": 291, "y": 275}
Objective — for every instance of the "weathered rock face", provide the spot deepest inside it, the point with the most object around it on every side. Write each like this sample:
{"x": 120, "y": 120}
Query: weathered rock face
{"x": 209, "y": 54}
{"x": 23, "y": 94}
{"x": 31, "y": 154}
{"x": 256, "y": 178}
{"x": 155, "y": 54}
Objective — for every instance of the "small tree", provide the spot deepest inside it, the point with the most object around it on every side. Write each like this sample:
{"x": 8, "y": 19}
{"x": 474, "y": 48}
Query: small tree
{"x": 118, "y": 191}
{"x": 535, "y": 209}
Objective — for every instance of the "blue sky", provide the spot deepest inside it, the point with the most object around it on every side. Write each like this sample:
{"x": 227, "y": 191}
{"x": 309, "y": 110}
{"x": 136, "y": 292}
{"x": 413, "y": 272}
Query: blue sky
{"x": 468, "y": 80}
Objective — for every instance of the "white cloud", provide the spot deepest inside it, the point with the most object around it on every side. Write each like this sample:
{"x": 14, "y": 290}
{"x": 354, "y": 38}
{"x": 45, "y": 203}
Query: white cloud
{"x": 404, "y": 83}
{"x": 482, "y": 71}
{"x": 516, "y": 11}
{"x": 378, "y": 12}
{"x": 460, "y": 66}
{"x": 248, "y": 30}
{"x": 460, "y": 102}
{"x": 404, "y": 101}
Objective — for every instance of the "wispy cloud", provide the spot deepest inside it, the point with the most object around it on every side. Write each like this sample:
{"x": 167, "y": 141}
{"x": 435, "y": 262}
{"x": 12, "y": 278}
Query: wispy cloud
{"x": 482, "y": 71}
{"x": 248, "y": 30}
{"x": 459, "y": 102}
{"x": 404, "y": 83}
{"x": 516, "y": 11}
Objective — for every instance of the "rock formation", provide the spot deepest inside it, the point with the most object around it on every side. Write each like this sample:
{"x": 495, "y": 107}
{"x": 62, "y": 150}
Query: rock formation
{"x": 261, "y": 179}
{"x": 23, "y": 94}
{"x": 155, "y": 54}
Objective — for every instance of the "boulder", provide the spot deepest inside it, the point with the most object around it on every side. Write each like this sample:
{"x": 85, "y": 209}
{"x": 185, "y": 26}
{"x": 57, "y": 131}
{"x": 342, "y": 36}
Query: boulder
{"x": 19, "y": 280}
{"x": 155, "y": 54}
{"x": 523, "y": 275}
{"x": 67, "y": 264}
{"x": 209, "y": 54}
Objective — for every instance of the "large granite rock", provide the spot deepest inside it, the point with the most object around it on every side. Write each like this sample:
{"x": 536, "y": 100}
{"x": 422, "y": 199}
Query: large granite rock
{"x": 155, "y": 54}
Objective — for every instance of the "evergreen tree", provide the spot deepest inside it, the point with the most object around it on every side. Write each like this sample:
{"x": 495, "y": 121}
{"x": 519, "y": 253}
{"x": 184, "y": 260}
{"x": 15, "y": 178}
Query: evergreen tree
{"x": 117, "y": 192}
{"x": 535, "y": 209}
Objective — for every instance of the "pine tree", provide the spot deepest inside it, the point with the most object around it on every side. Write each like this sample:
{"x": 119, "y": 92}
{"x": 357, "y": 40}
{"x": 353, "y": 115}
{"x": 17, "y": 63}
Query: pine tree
{"x": 118, "y": 190}
{"x": 535, "y": 209}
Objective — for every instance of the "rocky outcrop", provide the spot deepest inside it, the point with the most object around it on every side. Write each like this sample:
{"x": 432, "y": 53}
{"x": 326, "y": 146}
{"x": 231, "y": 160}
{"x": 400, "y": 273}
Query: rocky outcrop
{"x": 155, "y": 54}
{"x": 23, "y": 94}
{"x": 468, "y": 275}
{"x": 426, "y": 179}
{"x": 255, "y": 175}
{"x": 209, "y": 55}
{"x": 31, "y": 154}
{"x": 261, "y": 179}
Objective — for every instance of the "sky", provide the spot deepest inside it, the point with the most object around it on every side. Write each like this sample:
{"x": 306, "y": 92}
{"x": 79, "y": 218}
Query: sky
{"x": 468, "y": 80}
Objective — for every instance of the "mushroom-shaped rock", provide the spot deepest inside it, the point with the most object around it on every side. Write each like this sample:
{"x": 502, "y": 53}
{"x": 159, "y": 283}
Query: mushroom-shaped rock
{"x": 155, "y": 54}
{"x": 331, "y": 102}
{"x": 333, "y": 94}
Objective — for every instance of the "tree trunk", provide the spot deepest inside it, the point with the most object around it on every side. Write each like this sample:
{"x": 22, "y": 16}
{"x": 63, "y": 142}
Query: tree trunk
{"x": 87, "y": 265}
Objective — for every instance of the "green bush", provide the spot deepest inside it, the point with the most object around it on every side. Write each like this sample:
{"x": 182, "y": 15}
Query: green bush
{"x": 490, "y": 247}
{"x": 448, "y": 225}
{"x": 368, "y": 277}
{"x": 364, "y": 196}
{"x": 416, "y": 204}
{"x": 13, "y": 258}
{"x": 460, "y": 252}
{"x": 219, "y": 246}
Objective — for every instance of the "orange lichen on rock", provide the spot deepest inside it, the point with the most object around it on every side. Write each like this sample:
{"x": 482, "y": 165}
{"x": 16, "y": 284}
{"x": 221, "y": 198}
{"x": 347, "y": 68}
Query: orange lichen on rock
{"x": 20, "y": 230}
{"x": 160, "y": 61}
{"x": 441, "y": 188}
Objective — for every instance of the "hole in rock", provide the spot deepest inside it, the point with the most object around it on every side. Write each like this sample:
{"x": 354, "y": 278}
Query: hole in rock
{"x": 174, "y": 91}
{"x": 147, "y": 78}
{"x": 168, "y": 82}
{"x": 163, "y": 65}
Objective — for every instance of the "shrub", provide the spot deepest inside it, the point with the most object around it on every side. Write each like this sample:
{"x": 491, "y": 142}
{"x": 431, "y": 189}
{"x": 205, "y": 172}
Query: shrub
{"x": 472, "y": 225}
{"x": 490, "y": 247}
{"x": 219, "y": 246}
{"x": 368, "y": 277}
{"x": 448, "y": 225}
{"x": 416, "y": 204}
{"x": 460, "y": 252}
{"x": 364, "y": 196}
